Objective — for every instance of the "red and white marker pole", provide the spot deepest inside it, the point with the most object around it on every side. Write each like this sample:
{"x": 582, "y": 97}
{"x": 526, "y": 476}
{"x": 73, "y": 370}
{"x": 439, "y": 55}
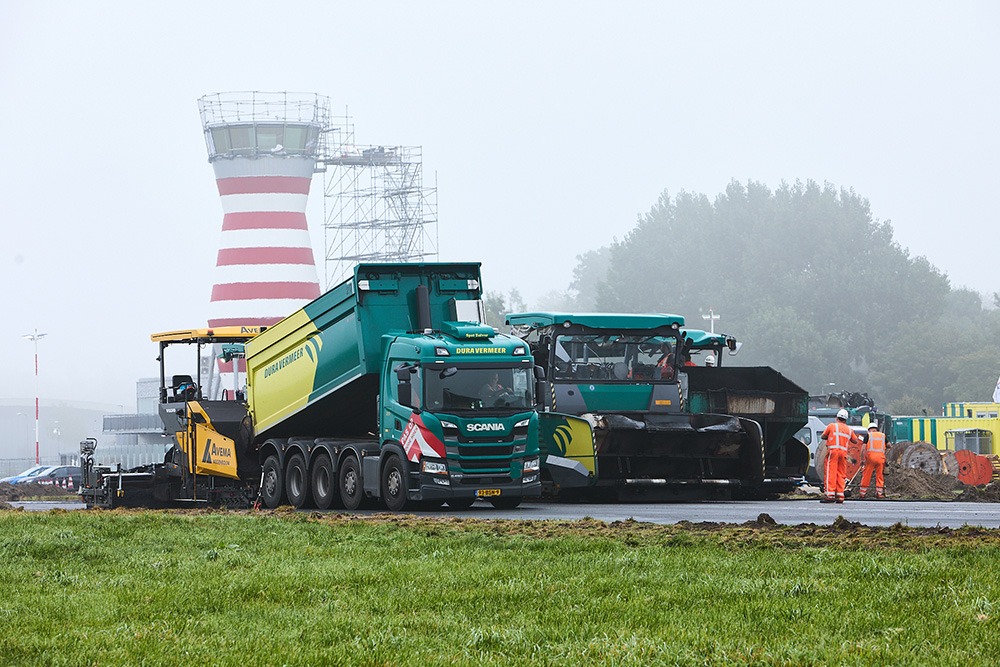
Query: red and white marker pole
{"x": 34, "y": 338}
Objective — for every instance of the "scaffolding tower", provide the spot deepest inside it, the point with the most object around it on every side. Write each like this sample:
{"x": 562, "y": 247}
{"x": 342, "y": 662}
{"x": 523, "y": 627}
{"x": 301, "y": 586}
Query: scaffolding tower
{"x": 375, "y": 205}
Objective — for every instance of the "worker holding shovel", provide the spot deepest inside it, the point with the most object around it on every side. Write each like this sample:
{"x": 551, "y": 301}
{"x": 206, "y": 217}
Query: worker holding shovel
{"x": 874, "y": 462}
{"x": 838, "y": 436}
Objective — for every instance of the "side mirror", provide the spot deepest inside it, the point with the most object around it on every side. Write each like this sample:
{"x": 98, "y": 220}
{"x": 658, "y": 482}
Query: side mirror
{"x": 734, "y": 348}
{"x": 542, "y": 394}
{"x": 539, "y": 373}
{"x": 404, "y": 390}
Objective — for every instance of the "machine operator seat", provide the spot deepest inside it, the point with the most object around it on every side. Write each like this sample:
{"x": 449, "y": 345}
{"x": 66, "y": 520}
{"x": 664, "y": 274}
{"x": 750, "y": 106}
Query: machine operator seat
{"x": 183, "y": 388}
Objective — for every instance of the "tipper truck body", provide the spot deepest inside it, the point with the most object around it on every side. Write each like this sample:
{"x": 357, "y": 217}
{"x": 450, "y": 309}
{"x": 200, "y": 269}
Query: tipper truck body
{"x": 379, "y": 390}
{"x": 625, "y": 419}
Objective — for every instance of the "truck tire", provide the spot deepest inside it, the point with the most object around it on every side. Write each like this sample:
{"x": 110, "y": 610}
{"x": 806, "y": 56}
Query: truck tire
{"x": 297, "y": 481}
{"x": 395, "y": 489}
{"x": 506, "y": 502}
{"x": 462, "y": 503}
{"x": 325, "y": 492}
{"x": 352, "y": 491}
{"x": 272, "y": 490}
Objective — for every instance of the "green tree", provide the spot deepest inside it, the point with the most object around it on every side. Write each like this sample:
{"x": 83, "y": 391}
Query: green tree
{"x": 810, "y": 281}
{"x": 908, "y": 405}
{"x": 497, "y": 306}
{"x": 591, "y": 270}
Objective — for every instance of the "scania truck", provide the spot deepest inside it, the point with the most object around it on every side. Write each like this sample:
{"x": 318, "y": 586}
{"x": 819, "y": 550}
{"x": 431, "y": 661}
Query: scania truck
{"x": 386, "y": 388}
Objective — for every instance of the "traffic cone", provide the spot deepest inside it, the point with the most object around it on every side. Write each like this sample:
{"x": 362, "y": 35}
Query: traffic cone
{"x": 69, "y": 484}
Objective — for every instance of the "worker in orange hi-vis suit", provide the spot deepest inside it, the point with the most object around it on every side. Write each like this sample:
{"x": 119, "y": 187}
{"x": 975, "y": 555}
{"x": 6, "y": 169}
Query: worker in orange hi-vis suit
{"x": 874, "y": 462}
{"x": 838, "y": 436}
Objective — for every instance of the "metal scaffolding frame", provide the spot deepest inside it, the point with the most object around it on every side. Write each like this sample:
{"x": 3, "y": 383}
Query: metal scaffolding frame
{"x": 375, "y": 205}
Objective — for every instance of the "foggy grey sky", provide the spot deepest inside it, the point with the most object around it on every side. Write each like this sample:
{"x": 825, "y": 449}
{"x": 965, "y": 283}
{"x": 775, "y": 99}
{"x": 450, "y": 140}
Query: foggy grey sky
{"x": 550, "y": 126}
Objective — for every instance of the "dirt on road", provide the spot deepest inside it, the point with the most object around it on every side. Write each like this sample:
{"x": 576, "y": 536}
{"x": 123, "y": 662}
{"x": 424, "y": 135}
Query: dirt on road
{"x": 915, "y": 484}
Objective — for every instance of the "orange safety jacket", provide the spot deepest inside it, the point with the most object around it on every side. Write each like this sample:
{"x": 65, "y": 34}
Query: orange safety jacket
{"x": 838, "y": 435}
{"x": 876, "y": 444}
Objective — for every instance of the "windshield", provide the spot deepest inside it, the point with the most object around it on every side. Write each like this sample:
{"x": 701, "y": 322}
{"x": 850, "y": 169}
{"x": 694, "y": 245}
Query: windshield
{"x": 613, "y": 357}
{"x": 475, "y": 389}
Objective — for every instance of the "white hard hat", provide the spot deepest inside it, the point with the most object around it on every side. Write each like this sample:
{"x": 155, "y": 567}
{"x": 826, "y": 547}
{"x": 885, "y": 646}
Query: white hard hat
{"x": 842, "y": 414}
{"x": 710, "y": 360}
{"x": 873, "y": 424}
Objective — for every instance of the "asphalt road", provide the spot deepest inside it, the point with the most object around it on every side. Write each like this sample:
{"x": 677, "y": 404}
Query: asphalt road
{"x": 789, "y": 512}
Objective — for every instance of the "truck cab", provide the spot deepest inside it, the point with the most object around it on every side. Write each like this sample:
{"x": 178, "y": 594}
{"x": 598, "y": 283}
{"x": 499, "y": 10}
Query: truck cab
{"x": 458, "y": 416}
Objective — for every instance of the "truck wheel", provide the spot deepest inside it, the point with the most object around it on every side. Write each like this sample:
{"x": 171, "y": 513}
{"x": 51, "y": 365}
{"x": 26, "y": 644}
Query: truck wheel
{"x": 463, "y": 503}
{"x": 394, "y": 486}
{"x": 272, "y": 491}
{"x": 352, "y": 490}
{"x": 324, "y": 484}
{"x": 297, "y": 481}
{"x": 506, "y": 502}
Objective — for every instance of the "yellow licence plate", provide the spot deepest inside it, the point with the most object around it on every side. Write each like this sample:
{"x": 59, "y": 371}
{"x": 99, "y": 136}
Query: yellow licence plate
{"x": 486, "y": 493}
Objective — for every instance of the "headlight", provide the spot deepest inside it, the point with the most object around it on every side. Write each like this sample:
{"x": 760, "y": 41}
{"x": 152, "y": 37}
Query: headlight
{"x": 530, "y": 479}
{"x": 436, "y": 467}
{"x": 445, "y": 424}
{"x": 531, "y": 465}
{"x": 441, "y": 352}
{"x": 522, "y": 424}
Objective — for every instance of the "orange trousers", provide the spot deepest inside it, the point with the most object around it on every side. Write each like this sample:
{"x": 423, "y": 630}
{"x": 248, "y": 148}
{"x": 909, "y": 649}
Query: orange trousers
{"x": 874, "y": 463}
{"x": 835, "y": 474}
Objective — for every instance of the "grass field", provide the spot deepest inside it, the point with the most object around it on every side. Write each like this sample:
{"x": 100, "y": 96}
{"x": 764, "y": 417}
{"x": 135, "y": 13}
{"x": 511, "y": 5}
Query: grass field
{"x": 119, "y": 588}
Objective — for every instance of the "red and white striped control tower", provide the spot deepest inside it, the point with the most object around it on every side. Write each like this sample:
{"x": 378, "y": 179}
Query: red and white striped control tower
{"x": 263, "y": 147}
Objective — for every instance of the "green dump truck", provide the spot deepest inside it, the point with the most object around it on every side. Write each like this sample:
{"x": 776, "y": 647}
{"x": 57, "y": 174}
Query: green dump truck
{"x": 625, "y": 419}
{"x": 386, "y": 387}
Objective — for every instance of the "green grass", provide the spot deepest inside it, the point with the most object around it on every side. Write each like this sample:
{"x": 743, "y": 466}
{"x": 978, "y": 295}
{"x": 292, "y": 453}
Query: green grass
{"x": 118, "y": 588}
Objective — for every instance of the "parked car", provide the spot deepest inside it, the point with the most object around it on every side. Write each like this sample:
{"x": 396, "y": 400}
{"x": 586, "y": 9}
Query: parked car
{"x": 30, "y": 472}
{"x": 57, "y": 475}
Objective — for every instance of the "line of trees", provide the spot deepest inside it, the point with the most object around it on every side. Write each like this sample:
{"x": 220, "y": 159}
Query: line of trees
{"x": 813, "y": 285}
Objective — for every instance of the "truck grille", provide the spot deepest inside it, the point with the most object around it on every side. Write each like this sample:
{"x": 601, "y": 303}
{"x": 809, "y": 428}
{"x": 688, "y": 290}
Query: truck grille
{"x": 484, "y": 459}
{"x": 485, "y": 450}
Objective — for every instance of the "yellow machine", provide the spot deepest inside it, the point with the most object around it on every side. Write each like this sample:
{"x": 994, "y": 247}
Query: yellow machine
{"x": 210, "y": 448}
